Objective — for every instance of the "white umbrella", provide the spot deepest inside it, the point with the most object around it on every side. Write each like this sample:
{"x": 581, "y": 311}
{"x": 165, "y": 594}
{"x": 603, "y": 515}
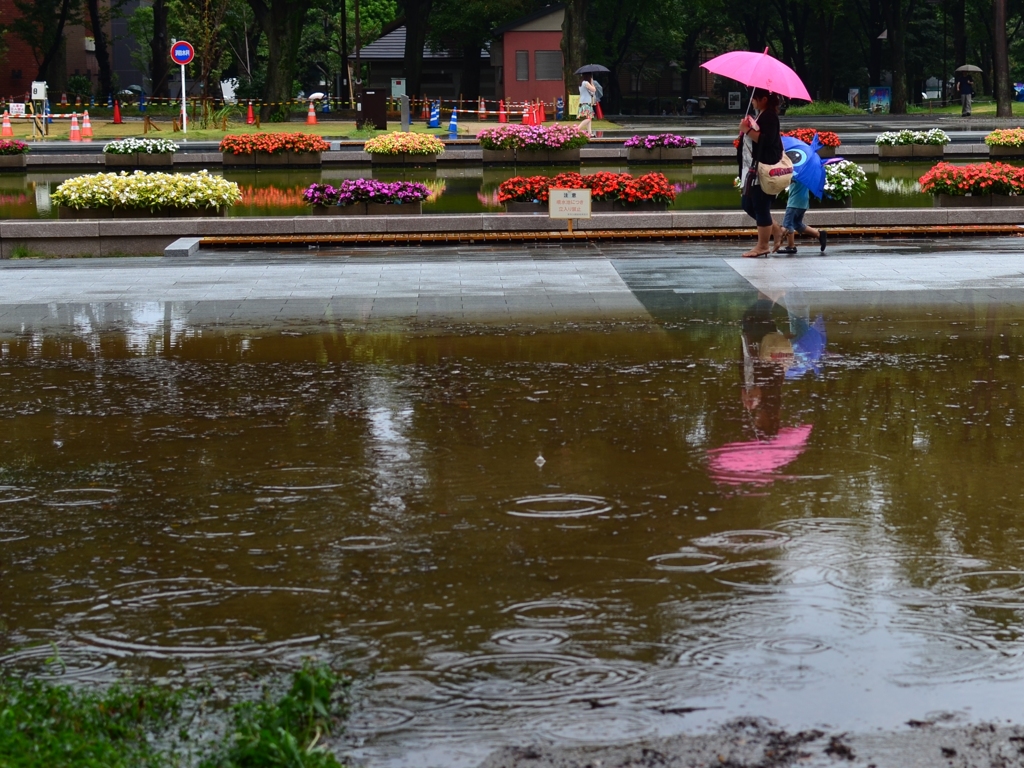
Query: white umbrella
{"x": 316, "y": 96}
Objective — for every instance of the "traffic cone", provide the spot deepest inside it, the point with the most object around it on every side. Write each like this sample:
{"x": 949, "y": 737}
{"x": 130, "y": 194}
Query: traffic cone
{"x": 250, "y": 118}
{"x": 7, "y": 129}
{"x": 526, "y": 114}
{"x": 78, "y": 100}
{"x": 502, "y": 114}
{"x": 311, "y": 115}
{"x": 543, "y": 112}
{"x": 453, "y": 124}
{"x": 117, "y": 112}
{"x": 481, "y": 111}
{"x": 426, "y": 110}
{"x": 86, "y": 126}
{"x": 76, "y": 134}
{"x": 435, "y": 115}
{"x": 63, "y": 99}
{"x": 598, "y": 112}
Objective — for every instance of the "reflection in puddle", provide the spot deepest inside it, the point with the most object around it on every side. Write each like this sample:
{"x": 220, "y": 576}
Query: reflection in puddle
{"x": 712, "y": 531}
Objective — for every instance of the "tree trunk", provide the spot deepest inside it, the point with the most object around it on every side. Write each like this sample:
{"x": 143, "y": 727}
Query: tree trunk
{"x": 344, "y": 50}
{"x": 55, "y": 49}
{"x": 416, "y": 14}
{"x": 281, "y": 21}
{"x": 469, "y": 83}
{"x": 574, "y": 43}
{"x": 1001, "y": 61}
{"x": 102, "y": 52}
{"x": 895, "y": 18}
{"x": 826, "y": 27}
{"x": 159, "y": 51}
{"x": 958, "y": 18}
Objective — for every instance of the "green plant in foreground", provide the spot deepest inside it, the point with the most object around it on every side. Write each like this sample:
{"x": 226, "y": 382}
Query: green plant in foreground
{"x": 286, "y": 733}
{"x": 53, "y": 726}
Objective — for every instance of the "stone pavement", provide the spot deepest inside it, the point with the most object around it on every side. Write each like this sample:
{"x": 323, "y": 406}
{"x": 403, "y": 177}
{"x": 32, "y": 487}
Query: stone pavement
{"x": 481, "y": 284}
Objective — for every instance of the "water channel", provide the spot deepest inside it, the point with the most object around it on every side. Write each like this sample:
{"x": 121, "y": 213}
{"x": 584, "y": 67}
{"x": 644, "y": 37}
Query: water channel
{"x": 577, "y": 533}
{"x": 468, "y": 190}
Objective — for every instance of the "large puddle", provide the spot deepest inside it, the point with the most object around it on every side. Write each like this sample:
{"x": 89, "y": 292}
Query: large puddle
{"x": 579, "y": 534}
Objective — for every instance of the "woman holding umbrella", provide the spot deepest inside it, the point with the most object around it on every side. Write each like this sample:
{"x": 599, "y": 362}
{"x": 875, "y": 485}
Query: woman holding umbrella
{"x": 761, "y": 143}
{"x": 586, "y": 109}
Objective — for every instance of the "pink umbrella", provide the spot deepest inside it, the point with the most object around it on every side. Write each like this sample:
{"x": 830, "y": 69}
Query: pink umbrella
{"x": 759, "y": 70}
{"x": 753, "y": 462}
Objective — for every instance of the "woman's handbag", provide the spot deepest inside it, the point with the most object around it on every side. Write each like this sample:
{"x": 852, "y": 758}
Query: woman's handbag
{"x": 775, "y": 178}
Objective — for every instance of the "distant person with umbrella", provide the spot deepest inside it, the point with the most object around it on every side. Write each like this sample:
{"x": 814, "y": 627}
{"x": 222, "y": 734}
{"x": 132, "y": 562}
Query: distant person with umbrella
{"x": 586, "y": 109}
{"x": 761, "y": 143}
{"x": 965, "y": 87}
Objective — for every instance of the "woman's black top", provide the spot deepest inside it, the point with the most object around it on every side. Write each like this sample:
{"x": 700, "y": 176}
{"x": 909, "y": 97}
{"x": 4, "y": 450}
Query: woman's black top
{"x": 768, "y": 147}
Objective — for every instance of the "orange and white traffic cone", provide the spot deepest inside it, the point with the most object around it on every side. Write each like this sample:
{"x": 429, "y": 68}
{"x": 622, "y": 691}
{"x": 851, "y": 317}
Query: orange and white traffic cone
{"x": 311, "y": 115}
{"x": 526, "y": 114}
{"x": 502, "y": 114}
{"x": 7, "y": 129}
{"x": 86, "y": 126}
{"x": 541, "y": 110}
{"x": 250, "y": 118}
{"x": 481, "y": 111}
{"x": 76, "y": 134}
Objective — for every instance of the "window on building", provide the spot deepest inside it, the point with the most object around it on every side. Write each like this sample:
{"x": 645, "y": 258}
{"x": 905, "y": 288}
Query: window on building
{"x": 548, "y": 65}
{"x": 522, "y": 65}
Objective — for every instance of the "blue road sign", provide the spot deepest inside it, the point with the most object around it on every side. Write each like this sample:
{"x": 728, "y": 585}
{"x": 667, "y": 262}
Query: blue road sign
{"x": 182, "y": 52}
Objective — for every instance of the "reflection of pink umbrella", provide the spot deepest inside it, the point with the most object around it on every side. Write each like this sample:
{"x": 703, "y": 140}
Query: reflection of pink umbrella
{"x": 752, "y": 462}
{"x": 759, "y": 70}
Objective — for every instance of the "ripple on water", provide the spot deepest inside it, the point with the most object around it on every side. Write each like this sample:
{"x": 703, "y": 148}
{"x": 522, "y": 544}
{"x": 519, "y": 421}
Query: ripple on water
{"x": 553, "y": 611}
{"x": 743, "y": 541}
{"x": 374, "y": 720}
{"x": 529, "y": 639}
{"x": 68, "y": 660}
{"x": 686, "y": 561}
{"x": 79, "y": 497}
{"x": 796, "y": 645}
{"x": 558, "y": 506}
{"x": 12, "y": 494}
{"x": 362, "y": 543}
{"x": 305, "y": 479}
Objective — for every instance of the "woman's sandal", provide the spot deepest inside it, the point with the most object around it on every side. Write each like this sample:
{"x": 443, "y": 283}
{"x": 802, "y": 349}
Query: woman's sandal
{"x": 755, "y": 254}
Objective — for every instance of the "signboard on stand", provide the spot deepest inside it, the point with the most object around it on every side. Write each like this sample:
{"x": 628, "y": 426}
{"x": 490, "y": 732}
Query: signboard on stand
{"x": 16, "y": 108}
{"x": 569, "y": 204}
{"x": 182, "y": 53}
{"x": 397, "y": 87}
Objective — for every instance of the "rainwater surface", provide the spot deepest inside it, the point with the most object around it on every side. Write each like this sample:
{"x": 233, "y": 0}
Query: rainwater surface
{"x": 570, "y": 533}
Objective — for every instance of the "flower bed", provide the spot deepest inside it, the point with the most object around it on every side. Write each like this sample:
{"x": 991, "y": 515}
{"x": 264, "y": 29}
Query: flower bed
{"x": 975, "y": 184}
{"x": 844, "y": 179}
{"x": 403, "y": 148}
{"x": 157, "y": 193}
{"x": 136, "y": 146}
{"x": 620, "y": 189}
{"x": 660, "y": 148}
{"x": 361, "y": 196}
{"x": 532, "y": 137}
{"x": 12, "y": 154}
{"x": 806, "y": 135}
{"x": 904, "y": 144}
{"x": 1006, "y": 142}
{"x": 272, "y": 149}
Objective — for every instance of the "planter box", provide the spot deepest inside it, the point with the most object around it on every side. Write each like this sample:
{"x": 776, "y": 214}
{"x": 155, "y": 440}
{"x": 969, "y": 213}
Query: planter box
{"x": 962, "y": 201}
{"x": 12, "y": 162}
{"x": 404, "y": 159}
{"x": 638, "y": 155}
{"x": 826, "y": 152}
{"x": 548, "y": 156}
{"x": 144, "y": 213}
{"x": 603, "y": 206}
{"x": 928, "y": 150}
{"x": 499, "y": 156}
{"x": 526, "y": 208}
{"x": 645, "y": 206}
{"x": 829, "y": 202}
{"x": 1008, "y": 201}
{"x": 902, "y": 151}
{"x": 356, "y": 209}
{"x": 394, "y": 209}
{"x": 304, "y": 160}
{"x": 139, "y": 160}
{"x": 1006, "y": 151}
{"x": 268, "y": 160}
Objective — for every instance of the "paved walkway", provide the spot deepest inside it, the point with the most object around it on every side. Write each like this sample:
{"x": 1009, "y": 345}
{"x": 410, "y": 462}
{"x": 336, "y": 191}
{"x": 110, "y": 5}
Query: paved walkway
{"x": 493, "y": 284}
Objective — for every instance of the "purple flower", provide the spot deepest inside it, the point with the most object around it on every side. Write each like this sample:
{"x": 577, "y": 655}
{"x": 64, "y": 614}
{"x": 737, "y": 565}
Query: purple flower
{"x": 655, "y": 141}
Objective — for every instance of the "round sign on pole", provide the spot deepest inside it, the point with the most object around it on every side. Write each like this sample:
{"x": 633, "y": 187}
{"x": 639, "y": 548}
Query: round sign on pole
{"x": 182, "y": 53}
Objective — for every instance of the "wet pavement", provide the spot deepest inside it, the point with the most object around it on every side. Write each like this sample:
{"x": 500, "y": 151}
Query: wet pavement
{"x": 602, "y": 504}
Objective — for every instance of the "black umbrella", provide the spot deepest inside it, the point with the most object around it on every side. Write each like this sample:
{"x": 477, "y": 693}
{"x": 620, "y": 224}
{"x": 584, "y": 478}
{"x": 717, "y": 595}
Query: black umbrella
{"x": 587, "y": 69}
{"x": 968, "y": 68}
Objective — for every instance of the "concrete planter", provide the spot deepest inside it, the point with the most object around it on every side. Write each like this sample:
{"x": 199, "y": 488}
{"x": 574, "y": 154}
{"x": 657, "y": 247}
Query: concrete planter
{"x": 356, "y": 209}
{"x": 139, "y": 160}
{"x": 639, "y": 156}
{"x": 276, "y": 160}
{"x": 139, "y": 213}
{"x": 645, "y": 206}
{"x": 602, "y": 206}
{"x": 404, "y": 159}
{"x": 928, "y": 150}
{"x": 1008, "y": 201}
{"x": 962, "y": 201}
{"x": 304, "y": 160}
{"x": 393, "y": 209}
{"x": 526, "y": 208}
{"x": 499, "y": 156}
{"x": 826, "y": 152}
{"x": 12, "y": 162}
{"x": 548, "y": 156}
{"x": 900, "y": 152}
{"x": 1006, "y": 151}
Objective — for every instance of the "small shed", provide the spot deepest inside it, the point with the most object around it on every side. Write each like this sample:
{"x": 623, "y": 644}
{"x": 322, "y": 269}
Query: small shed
{"x": 527, "y": 56}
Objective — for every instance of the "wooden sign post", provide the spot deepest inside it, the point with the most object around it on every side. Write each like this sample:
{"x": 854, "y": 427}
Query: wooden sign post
{"x": 569, "y": 204}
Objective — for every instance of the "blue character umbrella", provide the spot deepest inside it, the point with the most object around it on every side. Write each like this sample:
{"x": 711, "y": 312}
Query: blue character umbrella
{"x": 808, "y": 349}
{"x": 808, "y": 168}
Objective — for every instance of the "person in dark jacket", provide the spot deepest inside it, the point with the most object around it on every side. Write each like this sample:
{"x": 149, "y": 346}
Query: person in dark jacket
{"x": 761, "y": 142}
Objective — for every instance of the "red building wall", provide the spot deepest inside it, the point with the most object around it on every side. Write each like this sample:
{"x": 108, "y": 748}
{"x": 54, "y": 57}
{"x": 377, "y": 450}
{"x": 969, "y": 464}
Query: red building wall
{"x": 526, "y": 90}
{"x": 18, "y": 66}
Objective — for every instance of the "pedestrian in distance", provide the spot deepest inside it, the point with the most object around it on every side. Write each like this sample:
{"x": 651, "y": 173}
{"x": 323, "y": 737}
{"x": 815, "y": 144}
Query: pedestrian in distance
{"x": 793, "y": 222}
{"x": 965, "y": 87}
{"x": 586, "y": 109}
{"x": 598, "y": 95}
{"x": 760, "y": 142}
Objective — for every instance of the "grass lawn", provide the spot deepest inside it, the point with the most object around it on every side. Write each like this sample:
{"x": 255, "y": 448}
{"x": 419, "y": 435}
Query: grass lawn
{"x": 105, "y": 130}
{"x": 978, "y": 109}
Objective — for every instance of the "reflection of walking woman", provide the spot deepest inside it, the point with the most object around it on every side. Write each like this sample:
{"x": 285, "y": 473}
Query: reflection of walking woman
{"x": 761, "y": 143}
{"x": 586, "y": 115}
